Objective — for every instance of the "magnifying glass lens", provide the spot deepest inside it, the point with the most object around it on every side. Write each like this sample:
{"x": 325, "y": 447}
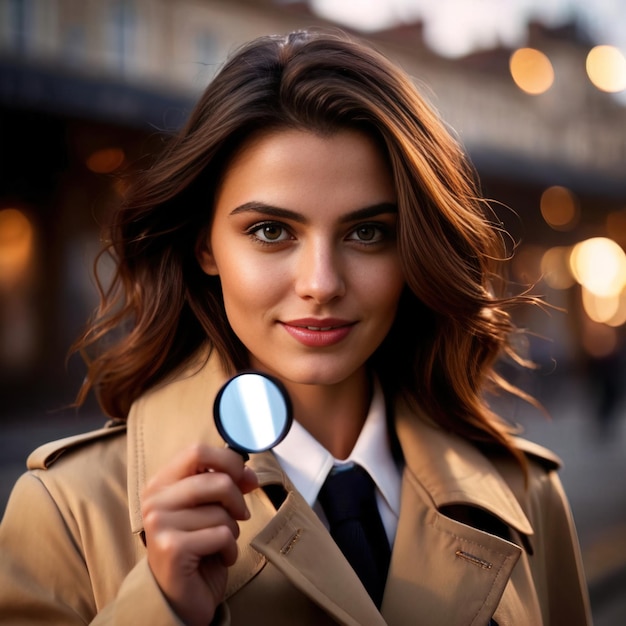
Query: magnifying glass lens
{"x": 252, "y": 412}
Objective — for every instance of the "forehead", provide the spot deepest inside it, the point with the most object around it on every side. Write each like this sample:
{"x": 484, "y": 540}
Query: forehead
{"x": 298, "y": 168}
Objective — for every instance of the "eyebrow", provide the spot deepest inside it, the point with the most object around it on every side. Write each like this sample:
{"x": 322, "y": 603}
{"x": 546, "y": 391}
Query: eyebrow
{"x": 267, "y": 209}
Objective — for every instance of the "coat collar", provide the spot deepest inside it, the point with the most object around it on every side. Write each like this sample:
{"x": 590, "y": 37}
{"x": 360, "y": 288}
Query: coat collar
{"x": 453, "y": 471}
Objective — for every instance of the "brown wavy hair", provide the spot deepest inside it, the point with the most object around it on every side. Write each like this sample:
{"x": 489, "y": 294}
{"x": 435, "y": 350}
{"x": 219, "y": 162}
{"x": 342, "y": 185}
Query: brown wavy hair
{"x": 160, "y": 308}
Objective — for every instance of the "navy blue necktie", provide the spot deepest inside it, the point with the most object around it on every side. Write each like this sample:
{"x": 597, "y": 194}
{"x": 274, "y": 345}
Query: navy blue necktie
{"x": 349, "y": 501}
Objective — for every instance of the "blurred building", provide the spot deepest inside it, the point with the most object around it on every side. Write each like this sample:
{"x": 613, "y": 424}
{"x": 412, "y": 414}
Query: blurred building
{"x": 88, "y": 87}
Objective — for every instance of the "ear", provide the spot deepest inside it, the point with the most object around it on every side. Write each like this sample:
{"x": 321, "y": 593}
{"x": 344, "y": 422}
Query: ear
{"x": 205, "y": 257}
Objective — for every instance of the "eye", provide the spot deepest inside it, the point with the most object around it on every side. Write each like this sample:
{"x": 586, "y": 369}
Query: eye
{"x": 368, "y": 233}
{"x": 269, "y": 232}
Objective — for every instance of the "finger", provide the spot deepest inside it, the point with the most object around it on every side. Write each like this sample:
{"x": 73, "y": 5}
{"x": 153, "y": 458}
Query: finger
{"x": 189, "y": 520}
{"x": 199, "y": 458}
{"x": 219, "y": 541}
{"x": 249, "y": 480}
{"x": 199, "y": 490}
{"x": 184, "y": 548}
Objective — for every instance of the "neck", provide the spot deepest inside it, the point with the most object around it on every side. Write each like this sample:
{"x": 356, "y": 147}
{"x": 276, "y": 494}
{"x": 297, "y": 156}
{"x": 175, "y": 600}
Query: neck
{"x": 333, "y": 414}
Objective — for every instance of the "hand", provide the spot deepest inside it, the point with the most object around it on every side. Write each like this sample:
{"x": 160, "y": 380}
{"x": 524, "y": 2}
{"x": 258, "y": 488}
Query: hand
{"x": 190, "y": 510}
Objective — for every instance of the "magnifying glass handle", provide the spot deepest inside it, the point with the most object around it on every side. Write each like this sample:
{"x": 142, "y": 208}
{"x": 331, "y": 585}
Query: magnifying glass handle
{"x": 244, "y": 455}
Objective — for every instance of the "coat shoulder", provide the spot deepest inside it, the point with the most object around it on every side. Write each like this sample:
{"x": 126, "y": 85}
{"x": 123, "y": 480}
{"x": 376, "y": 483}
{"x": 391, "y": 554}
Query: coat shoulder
{"x": 49, "y": 453}
{"x": 537, "y": 453}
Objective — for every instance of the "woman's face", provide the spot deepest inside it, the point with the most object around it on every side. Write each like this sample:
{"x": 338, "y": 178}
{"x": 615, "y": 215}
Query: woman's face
{"x": 304, "y": 242}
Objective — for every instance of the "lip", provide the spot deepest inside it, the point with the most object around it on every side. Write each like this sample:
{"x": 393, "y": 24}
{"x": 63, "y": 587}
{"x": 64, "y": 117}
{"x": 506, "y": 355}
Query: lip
{"x": 318, "y": 333}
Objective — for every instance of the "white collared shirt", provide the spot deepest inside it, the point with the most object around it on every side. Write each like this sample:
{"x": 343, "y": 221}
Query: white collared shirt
{"x": 307, "y": 463}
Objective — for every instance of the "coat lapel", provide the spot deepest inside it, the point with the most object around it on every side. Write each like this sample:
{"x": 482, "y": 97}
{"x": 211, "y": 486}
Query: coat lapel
{"x": 294, "y": 540}
{"x": 441, "y": 569}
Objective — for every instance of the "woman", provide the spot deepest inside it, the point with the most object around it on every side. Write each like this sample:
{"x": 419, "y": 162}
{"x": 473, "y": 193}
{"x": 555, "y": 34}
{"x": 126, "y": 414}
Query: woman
{"x": 314, "y": 221}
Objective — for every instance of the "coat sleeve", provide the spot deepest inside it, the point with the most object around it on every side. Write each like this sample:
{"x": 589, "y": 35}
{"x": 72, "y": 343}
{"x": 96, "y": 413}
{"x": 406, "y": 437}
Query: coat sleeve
{"x": 44, "y": 578}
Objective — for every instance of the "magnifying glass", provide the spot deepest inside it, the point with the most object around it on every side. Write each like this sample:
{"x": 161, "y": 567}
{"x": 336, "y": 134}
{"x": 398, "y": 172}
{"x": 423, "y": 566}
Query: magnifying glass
{"x": 252, "y": 412}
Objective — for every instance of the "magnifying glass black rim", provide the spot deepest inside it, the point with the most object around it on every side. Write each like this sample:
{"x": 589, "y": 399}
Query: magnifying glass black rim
{"x": 288, "y": 417}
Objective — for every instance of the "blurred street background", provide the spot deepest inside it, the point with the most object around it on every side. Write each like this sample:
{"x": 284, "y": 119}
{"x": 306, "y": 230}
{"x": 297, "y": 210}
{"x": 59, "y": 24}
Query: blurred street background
{"x": 535, "y": 90}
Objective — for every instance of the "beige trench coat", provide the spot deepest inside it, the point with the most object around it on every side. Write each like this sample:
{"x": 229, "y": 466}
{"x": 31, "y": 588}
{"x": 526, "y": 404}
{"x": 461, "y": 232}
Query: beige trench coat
{"x": 471, "y": 542}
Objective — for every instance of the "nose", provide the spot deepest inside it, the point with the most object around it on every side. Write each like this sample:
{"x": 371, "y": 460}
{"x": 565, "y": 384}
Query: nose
{"x": 320, "y": 273}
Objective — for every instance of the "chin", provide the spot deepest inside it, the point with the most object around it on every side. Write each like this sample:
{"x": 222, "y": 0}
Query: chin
{"x": 326, "y": 370}
{"x": 326, "y": 376}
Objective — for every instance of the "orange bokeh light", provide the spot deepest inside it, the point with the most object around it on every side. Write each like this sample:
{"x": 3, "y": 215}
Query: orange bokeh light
{"x": 559, "y": 208}
{"x": 531, "y": 70}
{"x": 16, "y": 246}
{"x": 106, "y": 160}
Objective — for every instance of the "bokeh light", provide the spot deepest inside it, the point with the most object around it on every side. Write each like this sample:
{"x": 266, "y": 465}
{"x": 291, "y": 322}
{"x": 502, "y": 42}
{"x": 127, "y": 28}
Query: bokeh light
{"x": 619, "y": 317}
{"x": 599, "y": 265}
{"x": 16, "y": 246}
{"x": 600, "y": 308}
{"x": 560, "y": 208}
{"x": 531, "y": 70}
{"x": 555, "y": 268}
{"x": 106, "y": 160}
{"x": 606, "y": 68}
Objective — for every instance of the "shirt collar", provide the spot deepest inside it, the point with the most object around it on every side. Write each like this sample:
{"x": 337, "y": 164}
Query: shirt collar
{"x": 307, "y": 463}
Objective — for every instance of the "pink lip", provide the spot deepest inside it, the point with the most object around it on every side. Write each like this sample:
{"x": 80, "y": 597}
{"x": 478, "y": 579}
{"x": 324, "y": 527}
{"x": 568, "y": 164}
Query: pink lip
{"x": 318, "y": 333}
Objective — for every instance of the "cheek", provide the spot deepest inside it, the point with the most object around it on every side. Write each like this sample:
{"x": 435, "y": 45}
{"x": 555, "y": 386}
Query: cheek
{"x": 383, "y": 286}
{"x": 247, "y": 287}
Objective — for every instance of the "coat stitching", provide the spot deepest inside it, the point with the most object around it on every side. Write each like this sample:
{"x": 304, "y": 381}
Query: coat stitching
{"x": 474, "y": 559}
{"x": 286, "y": 549}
